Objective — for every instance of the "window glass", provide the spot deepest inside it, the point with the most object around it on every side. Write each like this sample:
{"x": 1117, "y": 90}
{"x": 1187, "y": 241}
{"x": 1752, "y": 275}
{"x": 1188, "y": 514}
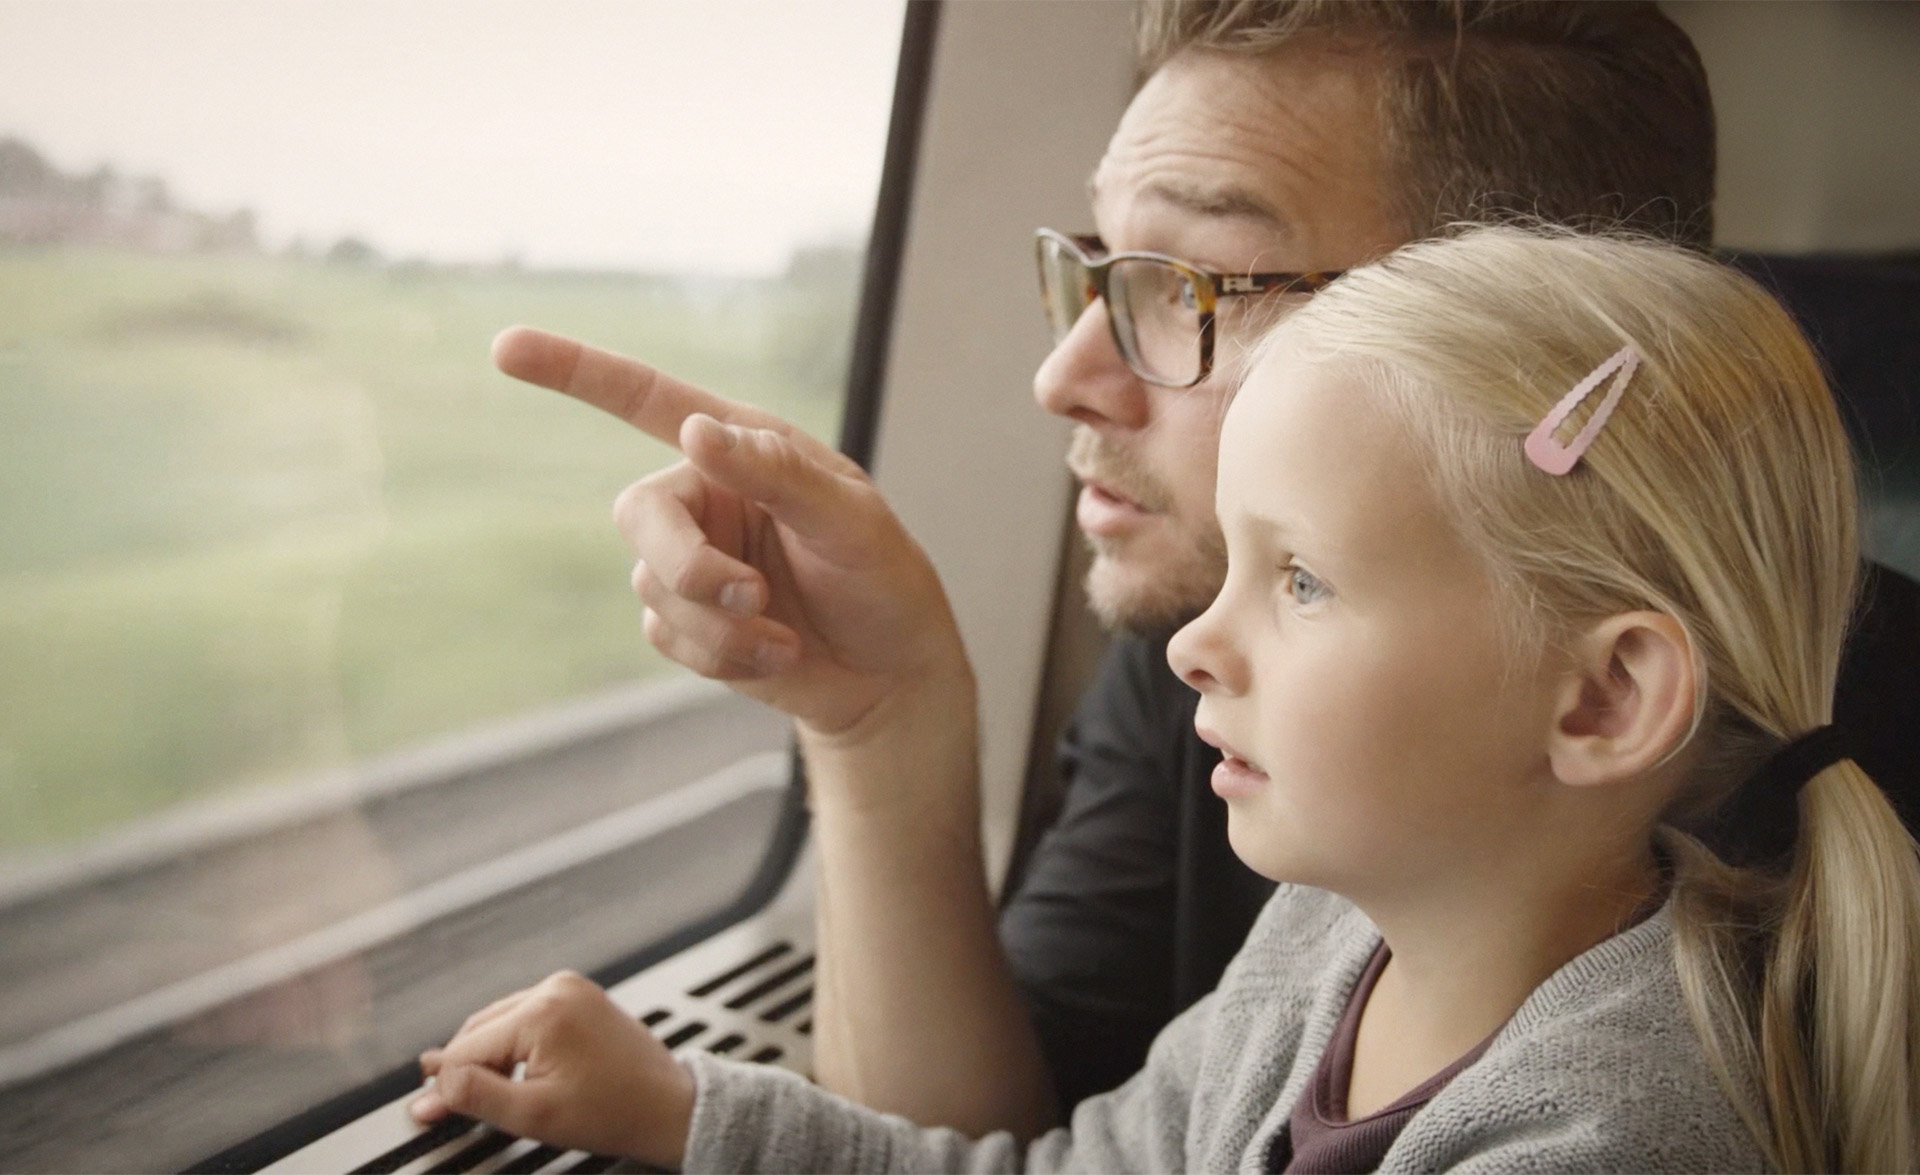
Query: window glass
{"x": 314, "y": 633}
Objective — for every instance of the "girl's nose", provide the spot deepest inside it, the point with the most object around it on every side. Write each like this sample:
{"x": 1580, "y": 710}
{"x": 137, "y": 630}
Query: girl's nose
{"x": 1085, "y": 380}
{"x": 1201, "y": 655}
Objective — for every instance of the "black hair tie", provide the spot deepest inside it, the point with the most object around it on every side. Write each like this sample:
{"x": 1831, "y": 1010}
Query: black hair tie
{"x": 1761, "y": 820}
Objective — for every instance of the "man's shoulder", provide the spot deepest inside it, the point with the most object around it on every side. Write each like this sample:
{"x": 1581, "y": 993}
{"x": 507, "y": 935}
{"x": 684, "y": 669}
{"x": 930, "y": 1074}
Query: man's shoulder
{"x": 1137, "y": 664}
{"x": 1135, "y": 702}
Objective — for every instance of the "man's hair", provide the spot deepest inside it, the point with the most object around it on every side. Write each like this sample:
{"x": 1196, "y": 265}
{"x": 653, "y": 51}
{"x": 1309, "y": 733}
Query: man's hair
{"x": 1584, "y": 114}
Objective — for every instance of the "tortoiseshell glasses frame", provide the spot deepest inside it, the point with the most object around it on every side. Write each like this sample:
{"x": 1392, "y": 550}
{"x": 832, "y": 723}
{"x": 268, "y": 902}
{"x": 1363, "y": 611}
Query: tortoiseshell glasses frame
{"x": 1161, "y": 309}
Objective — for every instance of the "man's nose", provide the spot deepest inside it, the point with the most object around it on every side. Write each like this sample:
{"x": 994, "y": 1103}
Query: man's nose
{"x": 1085, "y": 380}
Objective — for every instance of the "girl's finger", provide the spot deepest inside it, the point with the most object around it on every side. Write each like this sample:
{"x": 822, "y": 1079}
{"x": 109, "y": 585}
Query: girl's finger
{"x": 497, "y": 1045}
{"x": 479, "y": 1092}
{"x": 494, "y": 1010}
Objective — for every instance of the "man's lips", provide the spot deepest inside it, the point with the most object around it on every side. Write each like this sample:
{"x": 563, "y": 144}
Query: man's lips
{"x": 1107, "y": 491}
{"x": 1106, "y": 512}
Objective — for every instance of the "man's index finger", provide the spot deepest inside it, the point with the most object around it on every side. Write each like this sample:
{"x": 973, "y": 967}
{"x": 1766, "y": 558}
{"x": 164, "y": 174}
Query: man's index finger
{"x": 645, "y": 397}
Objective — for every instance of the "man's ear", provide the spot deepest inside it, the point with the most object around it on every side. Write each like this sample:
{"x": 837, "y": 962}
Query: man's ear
{"x": 1627, "y": 701}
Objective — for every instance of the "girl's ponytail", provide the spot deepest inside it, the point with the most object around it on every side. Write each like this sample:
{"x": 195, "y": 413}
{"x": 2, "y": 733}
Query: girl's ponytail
{"x": 1839, "y": 1031}
{"x": 1805, "y": 985}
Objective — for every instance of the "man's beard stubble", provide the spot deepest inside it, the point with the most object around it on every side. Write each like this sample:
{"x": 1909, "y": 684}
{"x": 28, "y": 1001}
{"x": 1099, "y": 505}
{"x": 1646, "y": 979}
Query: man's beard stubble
{"x": 1126, "y": 595}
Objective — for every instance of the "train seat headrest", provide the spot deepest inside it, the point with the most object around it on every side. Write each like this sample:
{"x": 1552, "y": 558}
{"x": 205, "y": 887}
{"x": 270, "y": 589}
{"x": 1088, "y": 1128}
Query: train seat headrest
{"x": 1862, "y": 313}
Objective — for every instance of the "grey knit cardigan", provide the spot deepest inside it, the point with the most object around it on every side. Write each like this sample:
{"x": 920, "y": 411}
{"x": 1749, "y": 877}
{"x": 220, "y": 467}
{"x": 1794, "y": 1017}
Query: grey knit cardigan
{"x": 1599, "y": 1070}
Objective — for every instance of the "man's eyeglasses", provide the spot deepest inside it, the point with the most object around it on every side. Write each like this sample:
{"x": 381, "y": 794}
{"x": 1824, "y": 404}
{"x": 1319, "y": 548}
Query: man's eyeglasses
{"x": 1161, "y": 309}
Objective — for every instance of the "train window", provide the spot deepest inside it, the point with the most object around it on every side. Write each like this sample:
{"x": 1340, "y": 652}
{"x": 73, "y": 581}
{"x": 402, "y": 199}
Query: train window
{"x": 324, "y": 711}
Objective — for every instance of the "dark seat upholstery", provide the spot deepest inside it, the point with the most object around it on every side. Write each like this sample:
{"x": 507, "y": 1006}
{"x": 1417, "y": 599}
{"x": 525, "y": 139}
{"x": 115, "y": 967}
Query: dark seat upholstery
{"x": 1863, "y": 315}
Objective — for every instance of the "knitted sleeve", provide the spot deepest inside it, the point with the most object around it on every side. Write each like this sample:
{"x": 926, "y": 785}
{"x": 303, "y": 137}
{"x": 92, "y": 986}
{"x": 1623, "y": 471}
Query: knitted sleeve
{"x": 752, "y": 1118}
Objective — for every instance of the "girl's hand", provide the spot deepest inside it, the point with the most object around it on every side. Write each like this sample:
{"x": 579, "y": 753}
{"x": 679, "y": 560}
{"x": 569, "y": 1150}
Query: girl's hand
{"x": 595, "y": 1079}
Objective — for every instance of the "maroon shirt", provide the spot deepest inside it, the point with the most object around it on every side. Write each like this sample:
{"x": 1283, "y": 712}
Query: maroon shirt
{"x": 1319, "y": 1137}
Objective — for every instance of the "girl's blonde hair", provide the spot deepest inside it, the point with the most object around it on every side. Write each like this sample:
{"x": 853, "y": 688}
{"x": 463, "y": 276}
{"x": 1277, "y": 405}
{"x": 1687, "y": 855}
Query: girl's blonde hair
{"x": 1722, "y": 493}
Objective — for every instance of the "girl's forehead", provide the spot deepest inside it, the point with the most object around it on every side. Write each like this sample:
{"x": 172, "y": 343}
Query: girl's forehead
{"x": 1289, "y": 403}
{"x": 1311, "y": 448}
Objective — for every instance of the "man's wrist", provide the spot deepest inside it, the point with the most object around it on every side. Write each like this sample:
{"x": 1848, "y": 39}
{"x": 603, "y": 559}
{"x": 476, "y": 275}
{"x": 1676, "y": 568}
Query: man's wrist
{"x": 916, "y": 751}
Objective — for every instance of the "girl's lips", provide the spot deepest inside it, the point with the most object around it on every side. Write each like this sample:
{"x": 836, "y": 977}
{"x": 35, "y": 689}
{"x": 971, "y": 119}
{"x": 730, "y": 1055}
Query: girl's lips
{"x": 1102, "y": 512}
{"x": 1235, "y": 776}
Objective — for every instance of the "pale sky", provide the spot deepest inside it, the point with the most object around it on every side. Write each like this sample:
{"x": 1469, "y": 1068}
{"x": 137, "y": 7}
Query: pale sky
{"x": 683, "y": 135}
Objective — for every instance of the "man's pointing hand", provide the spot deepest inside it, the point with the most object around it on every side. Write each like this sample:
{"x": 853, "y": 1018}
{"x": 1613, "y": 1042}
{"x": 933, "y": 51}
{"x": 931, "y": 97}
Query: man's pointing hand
{"x": 645, "y": 397}
{"x": 766, "y": 558}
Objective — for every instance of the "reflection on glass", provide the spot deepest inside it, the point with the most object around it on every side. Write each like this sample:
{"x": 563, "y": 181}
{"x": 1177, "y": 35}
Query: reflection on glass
{"x": 316, "y": 645}
{"x": 268, "y": 512}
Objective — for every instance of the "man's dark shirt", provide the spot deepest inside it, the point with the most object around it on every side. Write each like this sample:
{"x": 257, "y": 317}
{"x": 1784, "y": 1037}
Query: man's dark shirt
{"x": 1133, "y": 902}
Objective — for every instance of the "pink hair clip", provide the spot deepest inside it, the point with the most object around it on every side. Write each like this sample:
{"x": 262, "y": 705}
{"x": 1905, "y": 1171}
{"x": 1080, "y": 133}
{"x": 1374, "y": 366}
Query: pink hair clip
{"x": 1547, "y": 452}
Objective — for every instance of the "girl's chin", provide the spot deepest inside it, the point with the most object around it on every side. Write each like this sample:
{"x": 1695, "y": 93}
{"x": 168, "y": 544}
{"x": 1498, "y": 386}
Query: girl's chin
{"x": 1257, "y": 849}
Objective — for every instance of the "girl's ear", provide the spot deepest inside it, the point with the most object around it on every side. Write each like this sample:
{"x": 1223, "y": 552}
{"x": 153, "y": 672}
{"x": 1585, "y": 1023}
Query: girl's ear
{"x": 1626, "y": 702}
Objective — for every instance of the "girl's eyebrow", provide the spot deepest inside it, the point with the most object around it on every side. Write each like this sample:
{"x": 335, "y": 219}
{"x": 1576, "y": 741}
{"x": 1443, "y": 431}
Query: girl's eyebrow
{"x": 1300, "y": 540}
{"x": 1278, "y": 527}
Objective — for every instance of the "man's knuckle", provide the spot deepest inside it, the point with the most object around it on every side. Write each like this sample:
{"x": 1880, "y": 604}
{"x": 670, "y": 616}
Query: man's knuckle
{"x": 742, "y": 649}
{"x": 636, "y": 390}
{"x": 685, "y": 579}
{"x": 626, "y": 506}
{"x": 864, "y": 503}
{"x": 715, "y": 662}
{"x": 675, "y": 646}
{"x": 773, "y": 449}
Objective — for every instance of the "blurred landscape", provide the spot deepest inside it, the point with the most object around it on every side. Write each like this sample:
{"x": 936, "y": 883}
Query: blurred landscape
{"x": 265, "y": 512}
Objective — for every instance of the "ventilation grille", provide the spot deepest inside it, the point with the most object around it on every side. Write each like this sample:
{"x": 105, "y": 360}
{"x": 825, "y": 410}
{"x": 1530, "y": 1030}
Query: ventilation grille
{"x": 751, "y": 1000}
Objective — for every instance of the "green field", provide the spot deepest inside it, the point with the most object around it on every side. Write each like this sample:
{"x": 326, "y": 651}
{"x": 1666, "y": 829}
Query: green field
{"x": 264, "y": 515}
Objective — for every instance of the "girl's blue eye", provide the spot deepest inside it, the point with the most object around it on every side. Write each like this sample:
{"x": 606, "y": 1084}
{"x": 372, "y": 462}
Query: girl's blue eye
{"x": 1305, "y": 587}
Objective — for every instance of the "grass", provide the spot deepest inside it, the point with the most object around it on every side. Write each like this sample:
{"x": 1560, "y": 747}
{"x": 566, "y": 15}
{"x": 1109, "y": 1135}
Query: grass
{"x": 264, "y": 515}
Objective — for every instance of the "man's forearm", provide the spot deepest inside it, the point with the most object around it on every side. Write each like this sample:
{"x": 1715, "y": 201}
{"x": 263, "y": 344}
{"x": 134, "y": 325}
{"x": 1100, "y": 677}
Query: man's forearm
{"x": 916, "y": 1012}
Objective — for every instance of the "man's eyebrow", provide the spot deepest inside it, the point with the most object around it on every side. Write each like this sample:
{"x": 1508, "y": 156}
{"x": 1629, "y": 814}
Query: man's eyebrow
{"x": 1227, "y": 201}
{"x": 1224, "y": 201}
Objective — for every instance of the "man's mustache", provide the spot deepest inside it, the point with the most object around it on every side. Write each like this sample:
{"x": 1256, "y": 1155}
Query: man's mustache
{"x": 1092, "y": 457}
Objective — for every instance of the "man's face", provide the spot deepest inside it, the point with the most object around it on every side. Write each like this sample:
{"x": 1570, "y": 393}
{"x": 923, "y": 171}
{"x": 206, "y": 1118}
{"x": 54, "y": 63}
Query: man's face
{"x": 1237, "y": 165}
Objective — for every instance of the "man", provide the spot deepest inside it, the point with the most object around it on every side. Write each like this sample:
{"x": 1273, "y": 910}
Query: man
{"x": 1277, "y": 138}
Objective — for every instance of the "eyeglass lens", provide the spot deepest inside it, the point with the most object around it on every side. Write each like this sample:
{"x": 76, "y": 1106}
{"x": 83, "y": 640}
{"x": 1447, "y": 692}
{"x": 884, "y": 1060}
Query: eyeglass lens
{"x": 1150, "y": 303}
{"x": 1156, "y": 318}
{"x": 1065, "y": 285}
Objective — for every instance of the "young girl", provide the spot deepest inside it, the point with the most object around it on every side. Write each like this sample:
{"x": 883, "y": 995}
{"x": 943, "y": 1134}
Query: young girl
{"x": 1541, "y": 553}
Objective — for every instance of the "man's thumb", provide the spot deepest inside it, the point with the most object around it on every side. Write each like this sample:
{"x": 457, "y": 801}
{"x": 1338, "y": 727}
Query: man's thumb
{"x": 770, "y": 469}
